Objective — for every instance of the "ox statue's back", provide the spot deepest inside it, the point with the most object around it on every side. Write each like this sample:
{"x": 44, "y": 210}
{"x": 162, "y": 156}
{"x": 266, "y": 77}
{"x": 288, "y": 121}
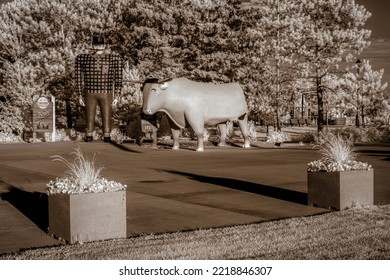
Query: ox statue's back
{"x": 195, "y": 104}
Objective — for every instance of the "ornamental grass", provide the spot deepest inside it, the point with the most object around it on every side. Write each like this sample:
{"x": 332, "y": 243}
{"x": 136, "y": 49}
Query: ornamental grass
{"x": 83, "y": 177}
{"x": 336, "y": 154}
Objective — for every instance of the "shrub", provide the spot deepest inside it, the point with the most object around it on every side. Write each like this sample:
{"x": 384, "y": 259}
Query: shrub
{"x": 362, "y": 134}
{"x": 165, "y": 128}
{"x": 252, "y": 130}
{"x": 206, "y": 135}
{"x": 61, "y": 135}
{"x": 308, "y": 137}
{"x": 229, "y": 130}
{"x": 117, "y": 136}
{"x": 385, "y": 134}
{"x": 277, "y": 137}
{"x": 9, "y": 138}
{"x": 321, "y": 138}
{"x": 187, "y": 132}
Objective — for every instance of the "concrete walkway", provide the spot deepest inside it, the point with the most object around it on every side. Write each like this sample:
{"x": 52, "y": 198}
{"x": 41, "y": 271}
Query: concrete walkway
{"x": 169, "y": 191}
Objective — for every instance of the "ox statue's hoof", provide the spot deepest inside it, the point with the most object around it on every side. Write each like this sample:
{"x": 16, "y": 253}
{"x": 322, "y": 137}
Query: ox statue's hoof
{"x": 246, "y": 145}
{"x": 199, "y": 149}
{"x": 175, "y": 148}
{"x": 221, "y": 144}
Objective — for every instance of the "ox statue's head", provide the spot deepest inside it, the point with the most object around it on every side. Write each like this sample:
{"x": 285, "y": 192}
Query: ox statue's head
{"x": 152, "y": 89}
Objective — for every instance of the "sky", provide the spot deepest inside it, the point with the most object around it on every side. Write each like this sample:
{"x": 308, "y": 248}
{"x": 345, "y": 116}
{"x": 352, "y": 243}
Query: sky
{"x": 379, "y": 23}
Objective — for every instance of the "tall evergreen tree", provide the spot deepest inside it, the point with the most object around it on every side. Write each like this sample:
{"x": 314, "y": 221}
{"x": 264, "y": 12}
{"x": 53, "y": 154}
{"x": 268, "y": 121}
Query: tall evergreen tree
{"x": 331, "y": 33}
{"x": 273, "y": 48}
{"x": 280, "y": 21}
{"x": 364, "y": 90}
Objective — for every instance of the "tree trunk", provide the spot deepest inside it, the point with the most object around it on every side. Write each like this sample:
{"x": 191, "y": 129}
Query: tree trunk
{"x": 357, "y": 119}
{"x": 320, "y": 120}
{"x": 320, "y": 102}
{"x": 69, "y": 123}
{"x": 277, "y": 124}
{"x": 68, "y": 107}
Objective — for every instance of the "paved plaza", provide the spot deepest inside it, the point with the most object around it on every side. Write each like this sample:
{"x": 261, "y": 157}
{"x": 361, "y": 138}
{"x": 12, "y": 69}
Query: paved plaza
{"x": 168, "y": 190}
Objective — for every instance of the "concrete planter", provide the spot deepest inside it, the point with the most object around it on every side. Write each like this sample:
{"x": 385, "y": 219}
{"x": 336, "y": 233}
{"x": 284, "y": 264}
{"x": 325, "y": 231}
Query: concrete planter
{"x": 340, "y": 190}
{"x": 88, "y": 216}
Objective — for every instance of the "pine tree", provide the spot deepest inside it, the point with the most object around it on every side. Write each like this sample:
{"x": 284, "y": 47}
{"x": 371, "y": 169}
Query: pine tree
{"x": 364, "y": 90}
{"x": 278, "y": 50}
{"x": 40, "y": 40}
{"x": 331, "y": 33}
{"x": 280, "y": 21}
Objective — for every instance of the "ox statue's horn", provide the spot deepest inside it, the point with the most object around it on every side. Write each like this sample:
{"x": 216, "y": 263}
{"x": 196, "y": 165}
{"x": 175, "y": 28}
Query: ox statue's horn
{"x": 164, "y": 80}
{"x": 133, "y": 81}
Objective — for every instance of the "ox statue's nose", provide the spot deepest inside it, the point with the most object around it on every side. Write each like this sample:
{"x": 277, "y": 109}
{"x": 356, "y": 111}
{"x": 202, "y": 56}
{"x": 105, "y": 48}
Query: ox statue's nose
{"x": 148, "y": 111}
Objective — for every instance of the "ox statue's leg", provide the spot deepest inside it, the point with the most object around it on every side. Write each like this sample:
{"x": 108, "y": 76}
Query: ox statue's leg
{"x": 199, "y": 134}
{"x": 197, "y": 124}
{"x": 175, "y": 134}
{"x": 223, "y": 133}
{"x": 198, "y": 129}
{"x": 243, "y": 124}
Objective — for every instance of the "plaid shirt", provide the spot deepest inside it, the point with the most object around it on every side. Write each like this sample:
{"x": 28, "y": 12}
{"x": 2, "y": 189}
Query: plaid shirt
{"x": 98, "y": 73}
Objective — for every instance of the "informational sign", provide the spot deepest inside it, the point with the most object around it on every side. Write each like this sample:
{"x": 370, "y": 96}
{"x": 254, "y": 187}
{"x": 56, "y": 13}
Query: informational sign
{"x": 148, "y": 122}
{"x": 43, "y": 115}
{"x": 149, "y": 126}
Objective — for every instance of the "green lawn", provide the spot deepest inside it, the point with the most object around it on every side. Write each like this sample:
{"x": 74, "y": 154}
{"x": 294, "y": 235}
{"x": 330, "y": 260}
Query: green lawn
{"x": 358, "y": 233}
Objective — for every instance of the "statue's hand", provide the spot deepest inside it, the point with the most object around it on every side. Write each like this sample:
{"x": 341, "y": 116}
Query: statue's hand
{"x": 81, "y": 101}
{"x": 114, "y": 102}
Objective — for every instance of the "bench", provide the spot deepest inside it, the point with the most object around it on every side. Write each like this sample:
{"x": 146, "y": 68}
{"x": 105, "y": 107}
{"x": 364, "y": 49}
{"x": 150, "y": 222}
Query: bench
{"x": 294, "y": 122}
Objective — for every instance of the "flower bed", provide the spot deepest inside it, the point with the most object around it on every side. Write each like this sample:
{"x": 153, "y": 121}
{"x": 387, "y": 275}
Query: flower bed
{"x": 320, "y": 165}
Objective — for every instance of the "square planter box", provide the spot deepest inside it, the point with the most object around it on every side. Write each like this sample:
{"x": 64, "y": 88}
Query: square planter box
{"x": 88, "y": 216}
{"x": 340, "y": 190}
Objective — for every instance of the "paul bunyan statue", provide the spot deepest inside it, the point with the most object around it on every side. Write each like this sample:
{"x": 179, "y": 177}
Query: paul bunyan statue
{"x": 99, "y": 82}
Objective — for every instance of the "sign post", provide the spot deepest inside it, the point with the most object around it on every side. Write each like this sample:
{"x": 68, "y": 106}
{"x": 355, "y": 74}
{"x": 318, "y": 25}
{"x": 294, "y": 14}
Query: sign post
{"x": 53, "y": 134}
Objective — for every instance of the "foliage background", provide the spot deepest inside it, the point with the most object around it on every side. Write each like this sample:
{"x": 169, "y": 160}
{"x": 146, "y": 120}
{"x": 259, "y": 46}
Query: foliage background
{"x": 280, "y": 51}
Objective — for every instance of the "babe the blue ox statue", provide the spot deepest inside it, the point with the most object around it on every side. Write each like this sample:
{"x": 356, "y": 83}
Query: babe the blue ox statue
{"x": 195, "y": 104}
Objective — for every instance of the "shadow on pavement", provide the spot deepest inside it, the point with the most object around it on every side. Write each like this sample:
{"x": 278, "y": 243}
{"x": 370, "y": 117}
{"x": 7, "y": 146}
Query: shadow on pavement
{"x": 376, "y": 153}
{"x": 34, "y": 205}
{"x": 270, "y": 191}
{"x": 125, "y": 148}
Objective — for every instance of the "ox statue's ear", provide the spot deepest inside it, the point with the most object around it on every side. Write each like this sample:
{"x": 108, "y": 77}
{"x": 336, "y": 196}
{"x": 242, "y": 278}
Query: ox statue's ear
{"x": 164, "y": 85}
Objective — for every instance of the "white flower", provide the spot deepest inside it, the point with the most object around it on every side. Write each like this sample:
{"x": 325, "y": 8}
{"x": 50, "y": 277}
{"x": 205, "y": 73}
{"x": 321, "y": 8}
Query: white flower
{"x": 66, "y": 185}
{"x": 319, "y": 165}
